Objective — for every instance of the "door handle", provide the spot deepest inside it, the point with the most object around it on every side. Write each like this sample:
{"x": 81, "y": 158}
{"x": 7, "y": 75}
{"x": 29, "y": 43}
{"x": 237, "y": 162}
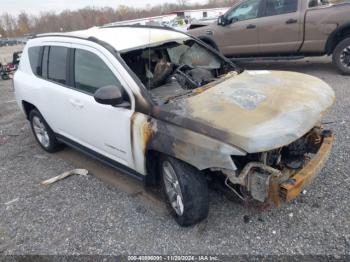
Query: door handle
{"x": 76, "y": 103}
{"x": 251, "y": 26}
{"x": 291, "y": 21}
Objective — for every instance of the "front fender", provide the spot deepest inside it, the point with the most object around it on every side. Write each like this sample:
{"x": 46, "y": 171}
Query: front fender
{"x": 193, "y": 148}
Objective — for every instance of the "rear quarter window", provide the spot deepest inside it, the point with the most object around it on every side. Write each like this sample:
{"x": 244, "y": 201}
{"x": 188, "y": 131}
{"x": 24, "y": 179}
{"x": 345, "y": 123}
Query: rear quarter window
{"x": 34, "y": 59}
{"x": 281, "y": 7}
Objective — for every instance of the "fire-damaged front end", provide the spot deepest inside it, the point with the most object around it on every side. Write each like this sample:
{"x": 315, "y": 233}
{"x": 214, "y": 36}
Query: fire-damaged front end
{"x": 259, "y": 130}
{"x": 281, "y": 174}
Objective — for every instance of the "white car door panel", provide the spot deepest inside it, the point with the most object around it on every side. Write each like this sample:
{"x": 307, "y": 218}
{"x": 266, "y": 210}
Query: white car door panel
{"x": 103, "y": 128}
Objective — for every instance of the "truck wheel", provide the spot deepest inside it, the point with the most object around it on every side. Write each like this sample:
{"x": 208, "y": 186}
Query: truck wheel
{"x": 42, "y": 132}
{"x": 186, "y": 191}
{"x": 341, "y": 56}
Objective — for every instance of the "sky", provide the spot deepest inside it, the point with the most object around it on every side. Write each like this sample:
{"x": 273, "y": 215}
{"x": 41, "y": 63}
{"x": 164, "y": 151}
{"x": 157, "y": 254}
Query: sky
{"x": 36, "y": 6}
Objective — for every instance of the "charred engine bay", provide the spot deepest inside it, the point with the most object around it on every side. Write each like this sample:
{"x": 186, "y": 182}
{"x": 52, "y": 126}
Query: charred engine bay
{"x": 174, "y": 69}
{"x": 292, "y": 157}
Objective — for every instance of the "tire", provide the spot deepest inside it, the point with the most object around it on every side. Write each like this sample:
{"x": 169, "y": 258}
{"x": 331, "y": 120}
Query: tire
{"x": 42, "y": 132}
{"x": 5, "y": 77}
{"x": 341, "y": 56}
{"x": 190, "y": 188}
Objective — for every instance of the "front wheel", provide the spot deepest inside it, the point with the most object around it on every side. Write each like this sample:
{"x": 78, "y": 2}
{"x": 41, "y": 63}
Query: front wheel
{"x": 341, "y": 56}
{"x": 186, "y": 191}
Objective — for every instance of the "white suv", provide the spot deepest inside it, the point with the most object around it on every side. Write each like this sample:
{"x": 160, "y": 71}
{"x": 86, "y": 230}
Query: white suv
{"x": 164, "y": 107}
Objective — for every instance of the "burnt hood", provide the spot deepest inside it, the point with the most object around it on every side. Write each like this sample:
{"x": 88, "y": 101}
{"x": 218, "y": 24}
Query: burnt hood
{"x": 255, "y": 111}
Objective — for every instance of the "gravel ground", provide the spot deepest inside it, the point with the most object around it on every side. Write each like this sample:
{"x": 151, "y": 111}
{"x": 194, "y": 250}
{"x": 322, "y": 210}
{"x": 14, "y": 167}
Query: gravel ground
{"x": 109, "y": 213}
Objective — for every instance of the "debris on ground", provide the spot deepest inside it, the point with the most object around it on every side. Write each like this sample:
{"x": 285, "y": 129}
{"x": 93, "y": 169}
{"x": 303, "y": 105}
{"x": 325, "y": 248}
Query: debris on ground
{"x": 246, "y": 219}
{"x": 80, "y": 172}
{"x": 40, "y": 156}
{"x": 12, "y": 135}
{"x": 12, "y": 201}
{"x": 3, "y": 140}
{"x": 260, "y": 219}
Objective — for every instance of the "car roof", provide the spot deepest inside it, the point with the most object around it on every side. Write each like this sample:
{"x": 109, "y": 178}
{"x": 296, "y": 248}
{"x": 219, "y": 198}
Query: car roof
{"x": 125, "y": 38}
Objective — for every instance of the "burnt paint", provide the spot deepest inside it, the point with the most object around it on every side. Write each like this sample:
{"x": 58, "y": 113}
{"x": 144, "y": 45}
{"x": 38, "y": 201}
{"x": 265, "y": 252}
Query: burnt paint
{"x": 198, "y": 150}
{"x": 195, "y": 149}
{"x": 176, "y": 114}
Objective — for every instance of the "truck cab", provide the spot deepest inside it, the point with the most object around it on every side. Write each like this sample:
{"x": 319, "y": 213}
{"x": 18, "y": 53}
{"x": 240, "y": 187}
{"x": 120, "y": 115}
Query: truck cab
{"x": 282, "y": 28}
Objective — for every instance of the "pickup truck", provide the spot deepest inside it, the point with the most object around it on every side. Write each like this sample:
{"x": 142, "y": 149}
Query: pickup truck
{"x": 282, "y": 29}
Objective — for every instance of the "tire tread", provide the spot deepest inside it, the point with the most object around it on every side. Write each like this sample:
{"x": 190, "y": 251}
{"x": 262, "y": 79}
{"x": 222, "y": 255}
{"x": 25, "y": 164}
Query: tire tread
{"x": 194, "y": 190}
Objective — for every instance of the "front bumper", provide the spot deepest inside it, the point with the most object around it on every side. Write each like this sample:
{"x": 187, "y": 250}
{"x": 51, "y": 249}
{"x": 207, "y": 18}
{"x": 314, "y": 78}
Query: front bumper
{"x": 290, "y": 189}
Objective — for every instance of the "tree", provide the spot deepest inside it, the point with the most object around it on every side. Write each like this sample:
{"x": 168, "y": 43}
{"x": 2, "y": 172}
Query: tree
{"x": 182, "y": 2}
{"x": 2, "y": 30}
{"x": 9, "y": 24}
{"x": 23, "y": 23}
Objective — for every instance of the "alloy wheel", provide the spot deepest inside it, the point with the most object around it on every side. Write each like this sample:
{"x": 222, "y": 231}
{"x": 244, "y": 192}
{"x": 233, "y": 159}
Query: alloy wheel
{"x": 41, "y": 132}
{"x": 345, "y": 57}
{"x": 172, "y": 187}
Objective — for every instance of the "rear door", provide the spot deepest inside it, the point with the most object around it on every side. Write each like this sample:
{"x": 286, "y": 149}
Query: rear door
{"x": 240, "y": 35}
{"x": 281, "y": 27}
{"x": 53, "y": 82}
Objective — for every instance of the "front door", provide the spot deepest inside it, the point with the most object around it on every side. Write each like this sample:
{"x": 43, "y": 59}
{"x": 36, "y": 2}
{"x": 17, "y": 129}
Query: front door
{"x": 102, "y": 128}
{"x": 281, "y": 28}
{"x": 240, "y": 35}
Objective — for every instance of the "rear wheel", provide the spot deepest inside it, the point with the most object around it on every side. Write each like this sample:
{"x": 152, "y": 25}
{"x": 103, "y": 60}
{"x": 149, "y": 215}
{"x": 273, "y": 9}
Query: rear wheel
{"x": 186, "y": 191}
{"x": 341, "y": 56}
{"x": 42, "y": 132}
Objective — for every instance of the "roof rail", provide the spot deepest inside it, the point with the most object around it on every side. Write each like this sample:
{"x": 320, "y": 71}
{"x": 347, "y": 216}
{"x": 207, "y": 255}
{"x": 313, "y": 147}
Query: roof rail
{"x": 163, "y": 27}
{"x": 59, "y": 35}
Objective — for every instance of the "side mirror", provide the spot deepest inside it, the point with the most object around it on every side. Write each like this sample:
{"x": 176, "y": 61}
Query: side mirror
{"x": 109, "y": 95}
{"x": 221, "y": 20}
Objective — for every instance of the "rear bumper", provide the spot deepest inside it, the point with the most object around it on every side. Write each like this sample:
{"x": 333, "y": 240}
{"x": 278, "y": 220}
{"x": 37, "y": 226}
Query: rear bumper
{"x": 292, "y": 188}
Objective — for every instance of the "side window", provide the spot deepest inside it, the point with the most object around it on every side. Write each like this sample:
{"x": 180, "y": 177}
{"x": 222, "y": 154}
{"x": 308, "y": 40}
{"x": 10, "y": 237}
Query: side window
{"x": 91, "y": 73}
{"x": 313, "y": 3}
{"x": 57, "y": 64}
{"x": 317, "y": 3}
{"x": 34, "y": 56}
{"x": 279, "y": 7}
{"x": 245, "y": 11}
